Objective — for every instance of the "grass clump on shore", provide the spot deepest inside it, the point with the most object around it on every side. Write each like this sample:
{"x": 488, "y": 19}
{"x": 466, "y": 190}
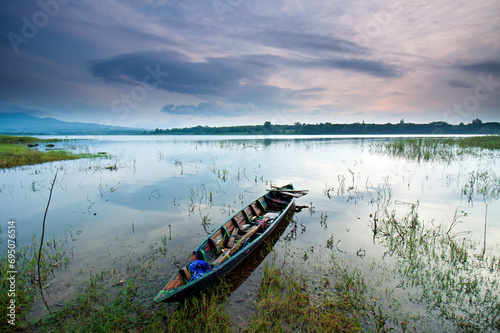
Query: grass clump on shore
{"x": 104, "y": 306}
{"x": 19, "y": 280}
{"x": 11, "y": 139}
{"x": 206, "y": 312}
{"x": 100, "y": 306}
{"x": 285, "y": 305}
{"x": 14, "y": 152}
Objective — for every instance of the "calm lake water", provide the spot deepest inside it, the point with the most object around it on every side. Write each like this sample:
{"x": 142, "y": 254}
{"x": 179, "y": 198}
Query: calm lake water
{"x": 152, "y": 194}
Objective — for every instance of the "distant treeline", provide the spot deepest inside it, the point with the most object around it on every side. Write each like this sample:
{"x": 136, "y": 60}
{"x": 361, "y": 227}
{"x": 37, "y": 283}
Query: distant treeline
{"x": 439, "y": 127}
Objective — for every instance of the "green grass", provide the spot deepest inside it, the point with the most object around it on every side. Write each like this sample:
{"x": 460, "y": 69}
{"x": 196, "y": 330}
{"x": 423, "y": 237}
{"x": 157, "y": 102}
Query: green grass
{"x": 97, "y": 308}
{"x": 55, "y": 256}
{"x": 285, "y": 305}
{"x": 486, "y": 142}
{"x": 437, "y": 148}
{"x": 14, "y": 152}
{"x": 452, "y": 281}
{"x": 102, "y": 306}
{"x": 10, "y": 139}
{"x": 204, "y": 313}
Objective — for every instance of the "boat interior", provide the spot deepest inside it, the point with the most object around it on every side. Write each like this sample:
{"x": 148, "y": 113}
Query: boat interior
{"x": 241, "y": 229}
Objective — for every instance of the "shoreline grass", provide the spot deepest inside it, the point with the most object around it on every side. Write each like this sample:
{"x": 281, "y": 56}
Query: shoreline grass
{"x": 285, "y": 304}
{"x": 19, "y": 284}
{"x": 11, "y": 139}
{"x": 446, "y": 149}
{"x": 14, "y": 152}
{"x": 485, "y": 142}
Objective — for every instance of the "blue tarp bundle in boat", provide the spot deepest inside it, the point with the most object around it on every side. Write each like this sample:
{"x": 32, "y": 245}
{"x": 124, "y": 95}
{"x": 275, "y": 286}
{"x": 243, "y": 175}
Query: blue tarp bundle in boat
{"x": 198, "y": 268}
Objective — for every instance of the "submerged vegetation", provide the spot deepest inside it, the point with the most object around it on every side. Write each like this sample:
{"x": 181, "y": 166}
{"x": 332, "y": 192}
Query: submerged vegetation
{"x": 456, "y": 281}
{"x": 18, "y": 151}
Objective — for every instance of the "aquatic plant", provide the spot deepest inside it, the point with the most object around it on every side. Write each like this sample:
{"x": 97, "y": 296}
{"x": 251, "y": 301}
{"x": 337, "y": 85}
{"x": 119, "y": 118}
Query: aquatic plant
{"x": 178, "y": 163}
{"x": 328, "y": 191}
{"x": 441, "y": 149}
{"x": 323, "y": 217}
{"x": 453, "y": 280}
{"x": 486, "y": 184}
{"x": 39, "y": 257}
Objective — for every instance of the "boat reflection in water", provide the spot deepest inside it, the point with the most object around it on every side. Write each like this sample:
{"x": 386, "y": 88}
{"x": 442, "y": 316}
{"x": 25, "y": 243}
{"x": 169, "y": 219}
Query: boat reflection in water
{"x": 241, "y": 273}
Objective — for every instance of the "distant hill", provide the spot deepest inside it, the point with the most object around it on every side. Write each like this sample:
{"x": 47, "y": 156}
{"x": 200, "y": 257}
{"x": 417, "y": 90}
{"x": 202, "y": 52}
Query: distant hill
{"x": 20, "y": 123}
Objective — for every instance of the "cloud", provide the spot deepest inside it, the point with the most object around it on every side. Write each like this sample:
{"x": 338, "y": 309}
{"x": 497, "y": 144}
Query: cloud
{"x": 259, "y": 56}
{"x": 307, "y": 42}
{"x": 237, "y": 79}
{"x": 229, "y": 85}
{"x": 209, "y": 109}
{"x": 30, "y": 110}
{"x": 459, "y": 84}
{"x": 482, "y": 66}
{"x": 191, "y": 109}
{"x": 369, "y": 67}
{"x": 213, "y": 77}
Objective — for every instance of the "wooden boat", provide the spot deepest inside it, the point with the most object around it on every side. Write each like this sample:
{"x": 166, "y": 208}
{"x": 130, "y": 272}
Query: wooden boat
{"x": 230, "y": 244}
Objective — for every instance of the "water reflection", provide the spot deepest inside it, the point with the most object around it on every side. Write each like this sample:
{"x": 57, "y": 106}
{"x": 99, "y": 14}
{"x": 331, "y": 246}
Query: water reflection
{"x": 241, "y": 273}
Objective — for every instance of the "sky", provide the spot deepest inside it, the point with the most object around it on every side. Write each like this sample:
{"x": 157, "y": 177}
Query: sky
{"x": 180, "y": 63}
